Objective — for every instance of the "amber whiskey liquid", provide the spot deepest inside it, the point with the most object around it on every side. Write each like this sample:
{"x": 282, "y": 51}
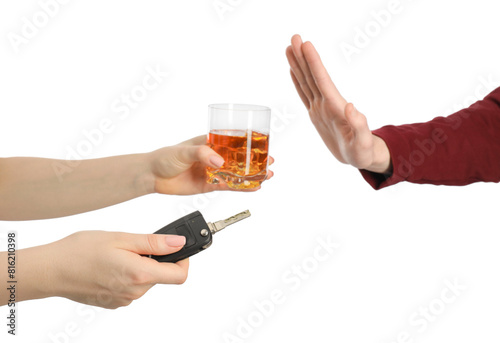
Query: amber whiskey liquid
{"x": 245, "y": 156}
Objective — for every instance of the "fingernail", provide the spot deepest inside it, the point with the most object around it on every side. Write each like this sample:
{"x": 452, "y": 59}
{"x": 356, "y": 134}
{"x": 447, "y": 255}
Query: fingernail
{"x": 216, "y": 161}
{"x": 175, "y": 241}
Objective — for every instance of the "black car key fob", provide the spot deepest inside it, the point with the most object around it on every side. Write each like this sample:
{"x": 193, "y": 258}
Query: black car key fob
{"x": 198, "y": 234}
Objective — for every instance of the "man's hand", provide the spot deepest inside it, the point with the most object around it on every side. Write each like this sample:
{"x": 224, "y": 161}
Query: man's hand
{"x": 341, "y": 126}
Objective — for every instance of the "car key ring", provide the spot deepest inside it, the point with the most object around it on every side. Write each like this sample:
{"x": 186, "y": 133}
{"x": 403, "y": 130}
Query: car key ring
{"x": 198, "y": 234}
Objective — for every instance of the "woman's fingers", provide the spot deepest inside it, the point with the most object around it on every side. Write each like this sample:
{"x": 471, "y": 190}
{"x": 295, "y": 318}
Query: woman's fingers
{"x": 199, "y": 153}
{"x": 199, "y": 140}
{"x": 168, "y": 273}
{"x": 150, "y": 244}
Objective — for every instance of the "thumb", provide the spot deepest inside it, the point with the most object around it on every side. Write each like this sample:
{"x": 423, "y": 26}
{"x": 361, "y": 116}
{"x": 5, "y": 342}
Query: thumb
{"x": 358, "y": 123}
{"x": 200, "y": 153}
{"x": 152, "y": 244}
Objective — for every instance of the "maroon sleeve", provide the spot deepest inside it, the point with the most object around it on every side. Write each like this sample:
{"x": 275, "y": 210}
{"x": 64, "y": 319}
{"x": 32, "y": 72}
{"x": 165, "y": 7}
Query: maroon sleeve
{"x": 456, "y": 150}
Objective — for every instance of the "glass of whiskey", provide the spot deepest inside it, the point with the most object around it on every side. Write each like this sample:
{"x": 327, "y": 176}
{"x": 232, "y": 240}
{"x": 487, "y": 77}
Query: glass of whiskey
{"x": 240, "y": 134}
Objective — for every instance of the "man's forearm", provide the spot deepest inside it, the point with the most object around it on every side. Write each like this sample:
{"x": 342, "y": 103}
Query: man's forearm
{"x": 456, "y": 150}
{"x": 34, "y": 188}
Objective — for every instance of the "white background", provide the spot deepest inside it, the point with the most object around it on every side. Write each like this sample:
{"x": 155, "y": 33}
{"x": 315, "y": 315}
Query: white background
{"x": 397, "y": 246}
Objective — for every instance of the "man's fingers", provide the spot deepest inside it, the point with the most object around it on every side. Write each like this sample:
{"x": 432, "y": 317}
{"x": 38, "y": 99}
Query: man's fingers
{"x": 302, "y": 96}
{"x": 299, "y": 56}
{"x": 298, "y": 78}
{"x": 320, "y": 75}
{"x": 151, "y": 244}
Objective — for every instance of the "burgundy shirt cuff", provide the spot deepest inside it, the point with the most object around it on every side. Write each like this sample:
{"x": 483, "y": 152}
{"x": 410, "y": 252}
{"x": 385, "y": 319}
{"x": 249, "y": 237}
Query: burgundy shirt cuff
{"x": 398, "y": 146}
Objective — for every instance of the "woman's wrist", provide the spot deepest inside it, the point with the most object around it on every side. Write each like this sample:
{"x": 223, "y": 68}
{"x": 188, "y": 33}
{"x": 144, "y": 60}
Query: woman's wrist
{"x": 36, "y": 273}
{"x": 145, "y": 181}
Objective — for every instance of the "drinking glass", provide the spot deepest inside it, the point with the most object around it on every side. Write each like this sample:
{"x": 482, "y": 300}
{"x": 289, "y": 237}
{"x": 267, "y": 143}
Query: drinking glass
{"x": 240, "y": 134}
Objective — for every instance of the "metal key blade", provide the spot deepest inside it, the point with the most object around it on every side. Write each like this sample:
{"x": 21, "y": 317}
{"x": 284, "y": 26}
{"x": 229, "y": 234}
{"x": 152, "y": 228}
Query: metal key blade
{"x": 221, "y": 224}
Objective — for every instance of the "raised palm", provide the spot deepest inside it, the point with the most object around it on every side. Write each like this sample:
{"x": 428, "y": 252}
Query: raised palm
{"x": 341, "y": 126}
